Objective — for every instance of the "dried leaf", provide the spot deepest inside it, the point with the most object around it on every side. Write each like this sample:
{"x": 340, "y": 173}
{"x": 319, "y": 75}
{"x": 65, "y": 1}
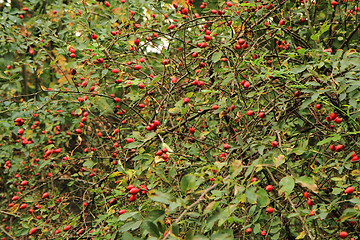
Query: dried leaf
{"x": 307, "y": 182}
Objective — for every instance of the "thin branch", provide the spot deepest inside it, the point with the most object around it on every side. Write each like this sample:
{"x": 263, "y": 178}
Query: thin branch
{"x": 194, "y": 204}
{"x": 10, "y": 214}
{"x": 349, "y": 37}
{"x": 293, "y": 207}
{"x": 7, "y": 233}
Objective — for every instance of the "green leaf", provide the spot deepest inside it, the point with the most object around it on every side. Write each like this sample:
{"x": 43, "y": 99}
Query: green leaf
{"x": 174, "y": 110}
{"x": 151, "y": 228}
{"x": 330, "y": 139}
{"x": 187, "y": 183}
{"x": 263, "y": 197}
{"x": 337, "y": 191}
{"x": 261, "y": 149}
{"x": 252, "y": 210}
{"x": 164, "y": 145}
{"x": 78, "y": 111}
{"x": 200, "y": 237}
{"x": 127, "y": 236}
{"x": 251, "y": 196}
{"x": 216, "y": 56}
{"x": 155, "y": 80}
{"x": 315, "y": 96}
{"x": 88, "y": 164}
{"x": 104, "y": 72}
{"x": 223, "y": 235}
{"x": 149, "y": 136}
{"x": 354, "y": 60}
{"x": 293, "y": 215}
{"x": 322, "y": 216}
{"x": 175, "y": 229}
{"x": 298, "y": 69}
{"x": 130, "y": 226}
{"x": 156, "y": 214}
{"x": 257, "y": 228}
{"x": 127, "y": 215}
{"x": 287, "y": 184}
{"x": 305, "y": 103}
{"x": 228, "y": 78}
{"x": 196, "y": 50}
{"x": 355, "y": 200}
{"x": 134, "y": 145}
{"x": 348, "y": 213}
{"x": 301, "y": 51}
{"x": 161, "y": 197}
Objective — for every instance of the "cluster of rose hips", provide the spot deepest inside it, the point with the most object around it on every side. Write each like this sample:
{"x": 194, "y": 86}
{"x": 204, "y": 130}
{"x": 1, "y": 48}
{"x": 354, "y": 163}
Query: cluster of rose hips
{"x": 353, "y": 11}
{"x": 35, "y": 124}
{"x": 333, "y": 117}
{"x": 197, "y": 83}
{"x": 81, "y": 123}
{"x": 214, "y": 171}
{"x": 241, "y": 44}
{"x": 7, "y": 164}
{"x": 203, "y": 5}
{"x": 163, "y": 154}
{"x": 72, "y": 52}
{"x": 337, "y": 148}
{"x": 251, "y": 113}
{"x": 82, "y": 99}
{"x": 51, "y": 151}
{"x": 244, "y": 83}
{"x": 19, "y": 122}
{"x": 134, "y": 191}
{"x": 153, "y": 126}
{"x": 101, "y": 60}
{"x": 354, "y": 157}
{"x": 202, "y": 45}
{"x": 283, "y": 45}
{"x": 223, "y": 156}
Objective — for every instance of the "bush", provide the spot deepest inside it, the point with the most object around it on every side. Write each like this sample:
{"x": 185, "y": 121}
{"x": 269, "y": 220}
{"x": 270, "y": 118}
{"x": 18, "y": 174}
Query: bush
{"x": 137, "y": 119}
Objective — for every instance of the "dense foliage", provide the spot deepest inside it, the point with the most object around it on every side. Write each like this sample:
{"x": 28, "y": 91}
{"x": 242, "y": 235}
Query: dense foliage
{"x": 145, "y": 119}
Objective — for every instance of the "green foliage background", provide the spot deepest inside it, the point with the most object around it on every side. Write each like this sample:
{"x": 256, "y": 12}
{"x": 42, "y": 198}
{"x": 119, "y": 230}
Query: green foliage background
{"x": 76, "y": 146}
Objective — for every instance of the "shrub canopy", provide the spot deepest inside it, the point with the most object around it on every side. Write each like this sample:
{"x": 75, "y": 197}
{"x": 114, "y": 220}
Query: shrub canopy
{"x": 136, "y": 119}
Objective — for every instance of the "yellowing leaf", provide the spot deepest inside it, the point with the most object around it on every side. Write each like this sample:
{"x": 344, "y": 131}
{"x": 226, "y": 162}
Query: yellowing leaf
{"x": 307, "y": 182}
{"x": 209, "y": 207}
{"x": 222, "y": 114}
{"x": 179, "y": 2}
{"x": 164, "y": 145}
{"x": 174, "y": 110}
{"x": 147, "y": 101}
{"x": 236, "y": 168}
{"x": 279, "y": 160}
{"x": 351, "y": 51}
{"x": 301, "y": 235}
{"x": 14, "y": 208}
{"x": 158, "y": 159}
{"x": 111, "y": 211}
{"x": 115, "y": 174}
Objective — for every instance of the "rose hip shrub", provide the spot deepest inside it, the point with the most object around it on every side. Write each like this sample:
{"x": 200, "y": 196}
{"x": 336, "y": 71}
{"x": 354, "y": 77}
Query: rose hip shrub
{"x": 134, "y": 119}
